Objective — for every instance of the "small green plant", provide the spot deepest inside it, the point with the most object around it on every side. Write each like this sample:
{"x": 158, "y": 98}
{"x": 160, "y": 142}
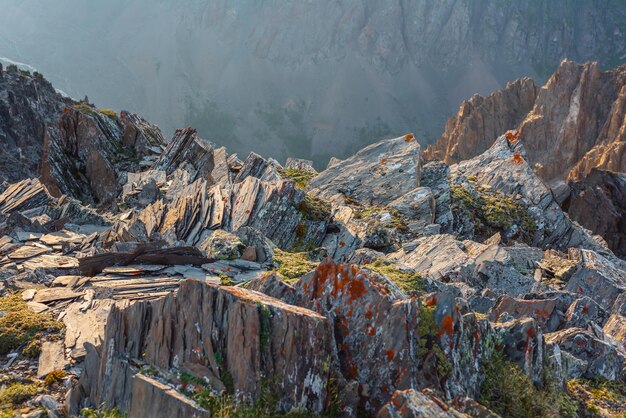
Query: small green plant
{"x": 595, "y": 396}
{"x": 20, "y": 325}
{"x": 101, "y": 412}
{"x": 506, "y": 390}
{"x": 108, "y": 112}
{"x": 294, "y": 265}
{"x": 409, "y": 282}
{"x": 314, "y": 209}
{"x": 17, "y": 393}
{"x": 300, "y": 177}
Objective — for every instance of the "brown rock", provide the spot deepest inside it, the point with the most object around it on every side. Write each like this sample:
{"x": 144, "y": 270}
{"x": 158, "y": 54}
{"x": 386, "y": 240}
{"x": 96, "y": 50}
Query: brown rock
{"x": 153, "y": 399}
{"x": 261, "y": 343}
{"x": 483, "y": 119}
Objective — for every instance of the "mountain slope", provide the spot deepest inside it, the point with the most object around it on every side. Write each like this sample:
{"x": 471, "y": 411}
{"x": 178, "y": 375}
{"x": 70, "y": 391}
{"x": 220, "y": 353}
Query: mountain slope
{"x": 310, "y": 79}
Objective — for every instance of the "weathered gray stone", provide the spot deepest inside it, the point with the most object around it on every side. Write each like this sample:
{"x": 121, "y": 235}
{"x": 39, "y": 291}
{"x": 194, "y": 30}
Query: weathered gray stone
{"x": 376, "y": 175}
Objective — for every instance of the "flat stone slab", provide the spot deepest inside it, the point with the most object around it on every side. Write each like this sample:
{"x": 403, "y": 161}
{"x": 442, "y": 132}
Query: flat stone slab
{"x": 52, "y": 358}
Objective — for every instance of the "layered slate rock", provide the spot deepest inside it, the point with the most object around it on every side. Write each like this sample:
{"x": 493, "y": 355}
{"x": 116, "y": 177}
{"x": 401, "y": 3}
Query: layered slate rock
{"x": 504, "y": 168}
{"x": 574, "y": 123}
{"x": 198, "y": 157}
{"x": 481, "y": 120}
{"x": 278, "y": 210}
{"x": 261, "y": 343}
{"x": 376, "y": 175}
{"x": 569, "y": 119}
{"x": 87, "y": 153}
{"x": 605, "y": 190}
{"x": 431, "y": 343}
{"x": 28, "y": 104}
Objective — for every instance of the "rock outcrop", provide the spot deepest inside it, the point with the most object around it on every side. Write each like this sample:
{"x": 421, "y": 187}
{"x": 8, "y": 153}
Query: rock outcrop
{"x": 571, "y": 125}
{"x": 377, "y": 287}
{"x": 28, "y": 104}
{"x": 89, "y": 150}
{"x": 482, "y": 119}
{"x": 239, "y": 342}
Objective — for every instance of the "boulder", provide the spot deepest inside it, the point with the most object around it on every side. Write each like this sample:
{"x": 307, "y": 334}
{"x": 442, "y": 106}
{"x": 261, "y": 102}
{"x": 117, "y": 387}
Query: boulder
{"x": 597, "y": 358}
{"x": 376, "y": 175}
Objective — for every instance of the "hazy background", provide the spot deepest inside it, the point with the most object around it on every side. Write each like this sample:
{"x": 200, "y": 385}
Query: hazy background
{"x": 306, "y": 78}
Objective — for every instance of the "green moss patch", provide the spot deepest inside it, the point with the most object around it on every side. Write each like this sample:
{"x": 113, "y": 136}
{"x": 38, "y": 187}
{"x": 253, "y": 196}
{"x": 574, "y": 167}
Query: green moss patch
{"x": 599, "y": 397}
{"x": 292, "y": 266}
{"x": 101, "y": 413}
{"x": 409, "y": 282}
{"x": 397, "y": 220}
{"x": 299, "y": 176}
{"x": 491, "y": 211}
{"x": 507, "y": 391}
{"x": 15, "y": 394}
{"x": 314, "y": 209}
{"x": 21, "y": 326}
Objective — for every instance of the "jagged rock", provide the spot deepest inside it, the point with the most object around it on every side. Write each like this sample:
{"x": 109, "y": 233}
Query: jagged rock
{"x": 373, "y": 320}
{"x": 85, "y": 154}
{"x": 198, "y": 157}
{"x": 52, "y": 358}
{"x": 435, "y": 175}
{"x": 260, "y": 168}
{"x": 522, "y": 342}
{"x": 418, "y": 206}
{"x": 615, "y": 327}
{"x": 300, "y": 164}
{"x": 24, "y": 195}
{"x": 481, "y": 120}
{"x": 28, "y": 103}
{"x": 252, "y": 334}
{"x": 255, "y": 239}
{"x": 585, "y": 311}
{"x": 568, "y": 118}
{"x": 413, "y": 404}
{"x": 597, "y": 277}
{"x": 576, "y": 122}
{"x": 503, "y": 168}
{"x": 278, "y": 210}
{"x": 376, "y": 175}
{"x": 598, "y": 358}
{"x": 605, "y": 190}
{"x": 153, "y": 399}
{"x": 543, "y": 311}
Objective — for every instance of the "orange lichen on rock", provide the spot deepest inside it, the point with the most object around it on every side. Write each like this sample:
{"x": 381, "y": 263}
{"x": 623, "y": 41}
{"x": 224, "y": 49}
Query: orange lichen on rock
{"x": 390, "y": 354}
{"x": 447, "y": 325}
{"x": 409, "y": 137}
{"x": 512, "y": 136}
{"x": 518, "y": 159}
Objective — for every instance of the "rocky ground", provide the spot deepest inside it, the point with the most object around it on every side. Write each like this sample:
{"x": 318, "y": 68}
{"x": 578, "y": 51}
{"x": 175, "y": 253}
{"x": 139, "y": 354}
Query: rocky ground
{"x": 148, "y": 278}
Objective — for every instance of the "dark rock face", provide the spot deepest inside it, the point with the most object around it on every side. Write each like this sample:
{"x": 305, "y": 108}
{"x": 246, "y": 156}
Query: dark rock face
{"x": 87, "y": 152}
{"x": 598, "y": 202}
{"x": 28, "y": 103}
